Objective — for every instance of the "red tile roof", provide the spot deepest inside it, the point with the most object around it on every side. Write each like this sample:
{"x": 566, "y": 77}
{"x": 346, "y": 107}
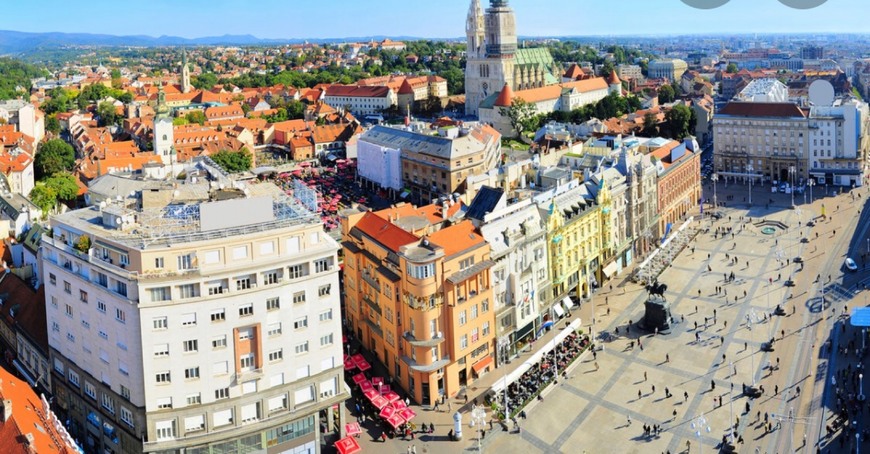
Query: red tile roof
{"x": 762, "y": 109}
{"x": 384, "y": 232}
{"x": 356, "y": 91}
{"x": 457, "y": 238}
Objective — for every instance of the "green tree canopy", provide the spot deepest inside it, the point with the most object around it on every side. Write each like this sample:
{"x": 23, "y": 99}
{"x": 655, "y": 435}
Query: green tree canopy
{"x": 233, "y": 161}
{"x": 666, "y": 94}
{"x": 520, "y": 114}
{"x": 64, "y": 186}
{"x": 679, "y": 120}
{"x": 204, "y": 81}
{"x": 650, "y": 125}
{"x": 43, "y": 197}
{"x": 197, "y": 116}
{"x": 52, "y": 124}
{"x": 15, "y": 77}
{"x": 107, "y": 114}
{"x": 53, "y": 156}
{"x": 731, "y": 68}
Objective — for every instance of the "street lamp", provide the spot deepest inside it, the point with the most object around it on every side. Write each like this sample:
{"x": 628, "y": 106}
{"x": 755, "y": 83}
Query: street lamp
{"x": 750, "y": 169}
{"x": 791, "y": 171}
{"x": 861, "y": 387}
{"x": 699, "y": 424}
{"x": 478, "y": 416}
{"x": 811, "y": 182}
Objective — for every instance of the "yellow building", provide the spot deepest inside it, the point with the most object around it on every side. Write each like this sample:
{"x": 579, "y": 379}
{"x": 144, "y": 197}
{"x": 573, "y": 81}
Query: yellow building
{"x": 578, "y": 232}
{"x": 418, "y": 295}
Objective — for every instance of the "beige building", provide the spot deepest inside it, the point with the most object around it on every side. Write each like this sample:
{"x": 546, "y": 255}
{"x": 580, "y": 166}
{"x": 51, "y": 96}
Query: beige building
{"x": 418, "y": 295}
{"x": 669, "y": 68}
{"x": 198, "y": 317}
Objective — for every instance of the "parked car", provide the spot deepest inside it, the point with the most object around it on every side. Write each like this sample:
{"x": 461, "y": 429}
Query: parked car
{"x": 850, "y": 264}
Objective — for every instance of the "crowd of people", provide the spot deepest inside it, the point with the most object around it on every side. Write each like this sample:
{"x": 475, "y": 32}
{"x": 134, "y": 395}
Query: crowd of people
{"x": 530, "y": 384}
{"x": 335, "y": 185}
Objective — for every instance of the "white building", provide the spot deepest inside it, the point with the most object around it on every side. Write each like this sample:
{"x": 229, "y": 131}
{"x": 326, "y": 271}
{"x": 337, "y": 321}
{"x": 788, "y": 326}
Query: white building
{"x": 764, "y": 90}
{"x": 838, "y": 142}
{"x": 361, "y": 100}
{"x": 198, "y": 317}
{"x": 25, "y": 116}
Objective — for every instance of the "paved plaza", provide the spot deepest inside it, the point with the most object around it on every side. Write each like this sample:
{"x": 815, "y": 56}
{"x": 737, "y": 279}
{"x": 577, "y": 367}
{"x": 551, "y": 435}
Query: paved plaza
{"x": 713, "y": 351}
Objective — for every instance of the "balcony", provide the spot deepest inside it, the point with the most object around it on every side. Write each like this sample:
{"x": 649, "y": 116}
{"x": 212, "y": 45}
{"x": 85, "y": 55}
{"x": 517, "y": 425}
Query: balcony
{"x": 247, "y": 375}
{"x": 90, "y": 257}
{"x": 435, "y": 341}
{"x": 371, "y": 280}
{"x": 372, "y": 304}
{"x": 413, "y": 365}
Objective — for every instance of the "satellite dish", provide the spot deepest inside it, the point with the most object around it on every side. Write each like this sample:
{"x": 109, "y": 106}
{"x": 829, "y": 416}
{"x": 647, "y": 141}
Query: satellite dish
{"x": 822, "y": 93}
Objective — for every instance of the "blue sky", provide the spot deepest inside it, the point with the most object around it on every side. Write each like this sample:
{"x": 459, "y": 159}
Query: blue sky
{"x": 439, "y": 18}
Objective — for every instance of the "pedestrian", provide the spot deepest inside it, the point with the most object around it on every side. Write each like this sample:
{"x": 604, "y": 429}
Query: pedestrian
{"x": 384, "y": 436}
{"x": 432, "y": 427}
{"x": 696, "y": 327}
{"x": 745, "y": 346}
{"x": 629, "y": 419}
{"x": 653, "y": 389}
{"x": 675, "y": 413}
{"x": 437, "y": 404}
{"x": 667, "y": 393}
{"x": 639, "y": 394}
{"x": 685, "y": 396}
{"x": 726, "y": 321}
{"x": 775, "y": 389}
{"x": 712, "y": 384}
{"x": 667, "y": 358}
{"x": 644, "y": 376}
{"x": 596, "y": 366}
{"x": 449, "y": 407}
{"x": 466, "y": 394}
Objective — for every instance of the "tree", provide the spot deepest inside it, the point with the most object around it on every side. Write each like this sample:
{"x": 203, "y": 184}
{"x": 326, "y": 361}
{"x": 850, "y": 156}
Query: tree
{"x": 64, "y": 186}
{"x": 679, "y": 120}
{"x": 179, "y": 121}
{"x": 731, "y": 68}
{"x": 666, "y": 94}
{"x": 107, "y": 113}
{"x": 53, "y": 156}
{"x": 233, "y": 161}
{"x": 204, "y": 81}
{"x": 519, "y": 114}
{"x": 650, "y": 125}
{"x": 52, "y": 125}
{"x": 43, "y": 197}
{"x": 197, "y": 116}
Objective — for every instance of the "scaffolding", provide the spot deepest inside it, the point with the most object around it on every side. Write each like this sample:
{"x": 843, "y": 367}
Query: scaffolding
{"x": 649, "y": 271}
{"x": 308, "y": 197}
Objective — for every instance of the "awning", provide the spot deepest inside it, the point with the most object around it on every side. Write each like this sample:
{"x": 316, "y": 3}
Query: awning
{"x": 24, "y": 372}
{"x": 481, "y": 365}
{"x": 558, "y": 308}
{"x": 568, "y": 302}
{"x": 610, "y": 269}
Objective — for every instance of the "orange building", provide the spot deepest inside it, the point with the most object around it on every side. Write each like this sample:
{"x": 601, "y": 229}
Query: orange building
{"x": 418, "y": 295}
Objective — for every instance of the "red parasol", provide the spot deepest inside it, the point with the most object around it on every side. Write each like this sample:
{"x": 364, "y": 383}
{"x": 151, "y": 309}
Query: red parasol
{"x": 377, "y": 381}
{"x": 387, "y": 411}
{"x": 392, "y": 396}
{"x": 370, "y": 393}
{"x": 347, "y": 445}
{"x": 365, "y": 386}
{"x": 385, "y": 389}
{"x": 359, "y": 378}
{"x": 349, "y": 365}
{"x": 407, "y": 414}
{"x": 399, "y": 404}
{"x": 379, "y": 402}
{"x": 352, "y": 429}
{"x": 364, "y": 366}
{"x": 395, "y": 421}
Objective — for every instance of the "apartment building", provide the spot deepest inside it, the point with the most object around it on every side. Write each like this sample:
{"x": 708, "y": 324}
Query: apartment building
{"x": 418, "y": 294}
{"x": 678, "y": 185}
{"x": 668, "y": 68}
{"x": 361, "y": 100}
{"x": 198, "y": 317}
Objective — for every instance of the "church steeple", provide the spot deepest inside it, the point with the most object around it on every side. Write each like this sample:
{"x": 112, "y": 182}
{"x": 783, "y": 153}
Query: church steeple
{"x": 185, "y": 73}
{"x": 501, "y": 30}
{"x": 474, "y": 30}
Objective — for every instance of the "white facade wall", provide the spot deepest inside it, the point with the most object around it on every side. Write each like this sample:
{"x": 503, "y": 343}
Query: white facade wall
{"x": 363, "y": 105}
{"x": 379, "y": 164}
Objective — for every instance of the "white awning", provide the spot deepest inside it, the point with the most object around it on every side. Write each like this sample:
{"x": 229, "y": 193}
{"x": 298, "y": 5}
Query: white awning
{"x": 568, "y": 302}
{"x": 610, "y": 269}
{"x": 558, "y": 308}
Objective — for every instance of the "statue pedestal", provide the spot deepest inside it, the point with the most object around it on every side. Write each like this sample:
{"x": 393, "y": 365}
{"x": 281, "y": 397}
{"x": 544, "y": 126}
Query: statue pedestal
{"x": 657, "y": 315}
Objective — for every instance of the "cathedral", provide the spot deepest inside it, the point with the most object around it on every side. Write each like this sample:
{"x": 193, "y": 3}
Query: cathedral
{"x": 494, "y": 60}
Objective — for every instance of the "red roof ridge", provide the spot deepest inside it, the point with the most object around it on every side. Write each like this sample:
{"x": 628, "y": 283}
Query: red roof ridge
{"x": 505, "y": 98}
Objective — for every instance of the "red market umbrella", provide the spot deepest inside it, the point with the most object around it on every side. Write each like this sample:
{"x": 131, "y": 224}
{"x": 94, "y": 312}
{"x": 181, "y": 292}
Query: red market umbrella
{"x": 349, "y": 365}
{"x": 379, "y": 402}
{"x": 392, "y": 396}
{"x": 377, "y": 381}
{"x": 352, "y": 429}
{"x": 370, "y": 393}
{"x": 399, "y": 404}
{"x": 359, "y": 378}
{"x": 407, "y": 414}
{"x": 365, "y": 386}
{"x": 305, "y": 164}
{"x": 357, "y": 358}
{"x": 395, "y": 421}
{"x": 387, "y": 412}
{"x": 364, "y": 366}
{"x": 385, "y": 389}
{"x": 348, "y": 445}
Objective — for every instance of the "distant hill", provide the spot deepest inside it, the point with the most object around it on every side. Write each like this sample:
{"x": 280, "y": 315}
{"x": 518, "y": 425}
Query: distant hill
{"x": 13, "y": 42}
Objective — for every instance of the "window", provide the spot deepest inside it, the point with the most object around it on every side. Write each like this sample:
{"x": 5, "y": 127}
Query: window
{"x": 124, "y": 260}
{"x": 218, "y": 315}
{"x": 165, "y": 430}
{"x": 185, "y": 262}
{"x": 272, "y": 277}
{"x": 67, "y": 287}
{"x": 302, "y": 348}
{"x": 127, "y": 417}
{"x": 276, "y": 355}
{"x": 102, "y": 280}
{"x": 220, "y": 368}
{"x": 191, "y": 345}
{"x": 69, "y": 310}
{"x": 484, "y": 306}
{"x": 475, "y": 335}
{"x": 121, "y": 288}
{"x": 70, "y": 337}
{"x": 421, "y": 271}
{"x": 273, "y": 304}
{"x": 474, "y": 312}
{"x": 55, "y": 326}
{"x": 462, "y": 318}
{"x": 194, "y": 399}
{"x": 108, "y": 403}
{"x": 123, "y": 368}
{"x": 90, "y": 390}
{"x": 326, "y": 340}
{"x": 323, "y": 265}
{"x": 102, "y": 333}
{"x": 161, "y": 350}
{"x": 160, "y": 323}
{"x": 326, "y": 315}
{"x": 54, "y": 302}
{"x": 247, "y": 361}
{"x": 188, "y": 291}
{"x": 216, "y": 287}
{"x": 101, "y": 306}
{"x": 274, "y": 329}
{"x": 296, "y": 271}
{"x": 223, "y": 417}
{"x": 486, "y": 328}
{"x": 194, "y": 423}
{"x": 83, "y": 296}
{"x": 52, "y": 279}
{"x": 324, "y": 290}
{"x": 162, "y": 377}
{"x": 222, "y": 393}
{"x": 245, "y": 334}
{"x": 298, "y": 297}
{"x": 120, "y": 316}
{"x": 300, "y": 323}
{"x": 74, "y": 378}
{"x": 104, "y": 356}
{"x": 188, "y": 319}
{"x": 278, "y": 403}
{"x": 158, "y": 262}
{"x": 243, "y": 283}
{"x": 125, "y": 392}
{"x": 219, "y": 342}
{"x": 191, "y": 373}
{"x": 246, "y": 310}
{"x": 160, "y": 294}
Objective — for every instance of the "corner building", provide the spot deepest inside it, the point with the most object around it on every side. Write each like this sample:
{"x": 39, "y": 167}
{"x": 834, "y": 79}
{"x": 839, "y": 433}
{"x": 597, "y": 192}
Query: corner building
{"x": 197, "y": 318}
{"x": 418, "y": 295}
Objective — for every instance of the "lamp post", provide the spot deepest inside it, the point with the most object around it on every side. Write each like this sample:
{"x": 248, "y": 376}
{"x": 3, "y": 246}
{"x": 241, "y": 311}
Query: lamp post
{"x": 791, "y": 171}
{"x": 751, "y": 318}
{"x": 504, "y": 343}
{"x": 861, "y": 396}
{"x": 750, "y": 169}
{"x": 811, "y": 182}
{"x": 478, "y": 416}
{"x": 699, "y": 424}
{"x": 731, "y": 405}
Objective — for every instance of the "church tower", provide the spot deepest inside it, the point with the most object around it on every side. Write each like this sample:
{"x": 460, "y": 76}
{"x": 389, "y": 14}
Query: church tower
{"x": 185, "y": 73}
{"x": 492, "y": 46}
{"x": 163, "y": 130}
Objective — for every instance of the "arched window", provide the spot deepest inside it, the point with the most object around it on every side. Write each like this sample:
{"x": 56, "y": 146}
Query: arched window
{"x": 164, "y": 136}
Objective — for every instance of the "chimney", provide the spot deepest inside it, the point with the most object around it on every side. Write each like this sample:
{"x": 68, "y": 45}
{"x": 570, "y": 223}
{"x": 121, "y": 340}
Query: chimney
{"x": 5, "y": 410}
{"x": 445, "y": 208}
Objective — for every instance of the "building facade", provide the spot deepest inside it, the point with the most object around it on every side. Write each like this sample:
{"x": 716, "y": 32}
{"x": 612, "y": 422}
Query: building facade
{"x": 671, "y": 69}
{"x": 679, "y": 180}
{"x": 196, "y": 318}
{"x": 419, "y": 296}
